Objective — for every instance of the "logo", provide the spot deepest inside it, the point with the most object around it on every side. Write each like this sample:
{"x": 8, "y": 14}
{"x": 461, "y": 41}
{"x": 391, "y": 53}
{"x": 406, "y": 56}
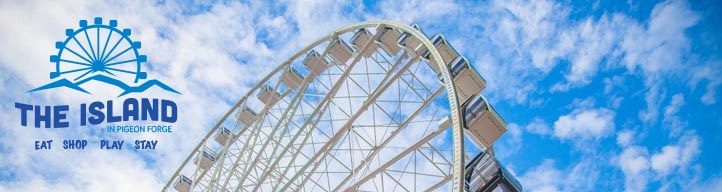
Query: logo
{"x": 102, "y": 53}
{"x": 105, "y": 54}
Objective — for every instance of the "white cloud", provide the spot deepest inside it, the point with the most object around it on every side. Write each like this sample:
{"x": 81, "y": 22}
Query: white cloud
{"x": 634, "y": 162}
{"x": 671, "y": 120}
{"x": 676, "y": 157}
{"x": 415, "y": 11}
{"x": 546, "y": 177}
{"x": 714, "y": 183}
{"x": 664, "y": 161}
{"x": 313, "y": 18}
{"x": 611, "y": 83}
{"x": 670, "y": 165}
{"x": 538, "y": 126}
{"x": 536, "y": 24}
{"x": 543, "y": 178}
{"x": 511, "y": 141}
{"x": 585, "y": 124}
{"x": 529, "y": 32}
{"x": 653, "y": 100}
{"x": 518, "y": 45}
{"x": 660, "y": 46}
{"x": 674, "y": 105}
{"x": 708, "y": 73}
{"x": 593, "y": 40}
{"x": 625, "y": 138}
{"x": 584, "y": 172}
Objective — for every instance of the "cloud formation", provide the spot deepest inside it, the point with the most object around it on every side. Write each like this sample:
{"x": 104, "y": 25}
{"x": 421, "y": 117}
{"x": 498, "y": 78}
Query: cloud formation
{"x": 585, "y": 124}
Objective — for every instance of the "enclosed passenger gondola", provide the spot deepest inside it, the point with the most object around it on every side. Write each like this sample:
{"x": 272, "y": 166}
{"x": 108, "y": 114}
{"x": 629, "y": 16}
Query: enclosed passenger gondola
{"x": 222, "y": 135}
{"x": 205, "y": 159}
{"x": 467, "y": 81}
{"x": 360, "y": 38}
{"x": 340, "y": 51}
{"x": 482, "y": 122}
{"x": 246, "y": 116}
{"x": 268, "y": 96}
{"x": 183, "y": 184}
{"x": 292, "y": 78}
{"x": 387, "y": 40}
{"x": 314, "y": 63}
{"x": 412, "y": 44}
{"x": 484, "y": 173}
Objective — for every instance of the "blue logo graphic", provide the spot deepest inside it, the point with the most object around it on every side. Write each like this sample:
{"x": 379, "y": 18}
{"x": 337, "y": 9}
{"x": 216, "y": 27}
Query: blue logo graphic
{"x": 103, "y": 53}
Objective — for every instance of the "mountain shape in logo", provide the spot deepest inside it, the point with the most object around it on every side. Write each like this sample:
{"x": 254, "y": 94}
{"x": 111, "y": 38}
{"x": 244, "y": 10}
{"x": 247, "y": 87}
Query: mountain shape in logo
{"x": 126, "y": 88}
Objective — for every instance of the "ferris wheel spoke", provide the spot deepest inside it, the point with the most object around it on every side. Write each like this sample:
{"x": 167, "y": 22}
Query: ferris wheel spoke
{"x": 390, "y": 77}
{"x": 120, "y": 70}
{"x": 121, "y": 62}
{"x": 97, "y": 42}
{"x": 90, "y": 45}
{"x": 83, "y": 75}
{"x": 439, "y": 183}
{"x": 117, "y": 55}
{"x": 398, "y": 157}
{"x": 111, "y": 49}
{"x": 76, "y": 62}
{"x": 109, "y": 73}
{"x": 102, "y": 55}
{"x": 82, "y": 47}
{"x": 76, "y": 54}
{"x": 387, "y": 140}
{"x": 74, "y": 70}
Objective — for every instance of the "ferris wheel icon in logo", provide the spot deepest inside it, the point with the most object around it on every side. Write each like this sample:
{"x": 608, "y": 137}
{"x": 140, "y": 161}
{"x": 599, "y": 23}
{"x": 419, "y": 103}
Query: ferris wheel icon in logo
{"x": 103, "y": 53}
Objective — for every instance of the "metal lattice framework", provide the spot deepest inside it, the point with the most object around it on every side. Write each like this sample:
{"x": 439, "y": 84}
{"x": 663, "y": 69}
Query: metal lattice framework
{"x": 371, "y": 118}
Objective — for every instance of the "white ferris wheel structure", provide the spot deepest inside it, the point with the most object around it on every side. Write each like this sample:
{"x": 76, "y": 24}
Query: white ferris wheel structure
{"x": 375, "y": 106}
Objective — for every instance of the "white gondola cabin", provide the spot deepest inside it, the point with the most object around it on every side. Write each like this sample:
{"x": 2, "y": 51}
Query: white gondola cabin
{"x": 485, "y": 173}
{"x": 360, "y": 38}
{"x": 387, "y": 40}
{"x": 467, "y": 81}
{"x": 246, "y": 116}
{"x": 291, "y": 78}
{"x": 340, "y": 51}
{"x": 268, "y": 96}
{"x": 412, "y": 44}
{"x": 183, "y": 184}
{"x": 205, "y": 159}
{"x": 447, "y": 52}
{"x": 315, "y": 63}
{"x": 222, "y": 135}
{"x": 482, "y": 123}
{"x": 408, "y": 42}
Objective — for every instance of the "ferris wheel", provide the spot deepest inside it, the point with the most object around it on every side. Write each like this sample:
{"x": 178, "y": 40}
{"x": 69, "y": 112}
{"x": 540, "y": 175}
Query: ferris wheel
{"x": 98, "y": 48}
{"x": 375, "y": 106}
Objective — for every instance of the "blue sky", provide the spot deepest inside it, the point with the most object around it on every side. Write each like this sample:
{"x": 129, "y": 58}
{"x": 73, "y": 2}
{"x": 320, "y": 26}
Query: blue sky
{"x": 599, "y": 95}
